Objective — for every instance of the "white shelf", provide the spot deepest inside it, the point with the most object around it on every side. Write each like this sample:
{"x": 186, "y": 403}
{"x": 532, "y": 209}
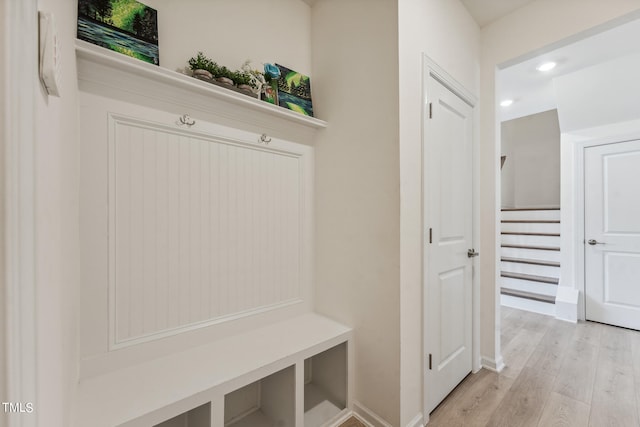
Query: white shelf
{"x": 325, "y": 389}
{"x": 197, "y": 417}
{"x": 125, "y": 395}
{"x": 115, "y": 75}
{"x": 254, "y": 419}
{"x": 318, "y": 410}
{"x": 269, "y": 402}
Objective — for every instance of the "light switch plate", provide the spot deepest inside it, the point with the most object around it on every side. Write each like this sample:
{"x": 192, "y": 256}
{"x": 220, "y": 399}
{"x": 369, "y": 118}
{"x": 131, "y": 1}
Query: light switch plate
{"x": 50, "y": 72}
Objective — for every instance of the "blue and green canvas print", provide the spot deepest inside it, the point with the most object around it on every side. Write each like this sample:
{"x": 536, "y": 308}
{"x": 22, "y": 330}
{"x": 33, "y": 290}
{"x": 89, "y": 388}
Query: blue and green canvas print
{"x": 294, "y": 91}
{"x": 126, "y": 26}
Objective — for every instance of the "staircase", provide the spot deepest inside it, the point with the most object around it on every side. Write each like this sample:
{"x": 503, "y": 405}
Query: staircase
{"x": 530, "y": 259}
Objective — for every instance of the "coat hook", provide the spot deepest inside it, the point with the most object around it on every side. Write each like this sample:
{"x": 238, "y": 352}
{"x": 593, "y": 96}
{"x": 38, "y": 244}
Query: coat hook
{"x": 264, "y": 138}
{"x": 186, "y": 120}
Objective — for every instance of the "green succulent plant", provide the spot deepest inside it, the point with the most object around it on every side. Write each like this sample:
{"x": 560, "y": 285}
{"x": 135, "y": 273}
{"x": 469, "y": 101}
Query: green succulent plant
{"x": 242, "y": 78}
{"x": 202, "y": 62}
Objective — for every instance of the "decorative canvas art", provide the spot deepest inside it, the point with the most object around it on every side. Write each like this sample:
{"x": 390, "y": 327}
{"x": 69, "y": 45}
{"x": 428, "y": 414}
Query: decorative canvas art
{"x": 126, "y": 26}
{"x": 294, "y": 91}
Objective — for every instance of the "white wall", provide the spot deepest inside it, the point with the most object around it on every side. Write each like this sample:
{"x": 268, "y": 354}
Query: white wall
{"x": 231, "y": 32}
{"x": 57, "y": 253}
{"x": 531, "y": 28}
{"x": 599, "y": 95}
{"x": 444, "y": 31}
{"x": 357, "y": 269}
{"x": 531, "y": 173}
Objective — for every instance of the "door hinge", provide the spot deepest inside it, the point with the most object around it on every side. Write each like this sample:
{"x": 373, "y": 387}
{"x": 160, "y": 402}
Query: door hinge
{"x": 429, "y": 361}
{"x": 431, "y": 235}
{"x": 431, "y": 110}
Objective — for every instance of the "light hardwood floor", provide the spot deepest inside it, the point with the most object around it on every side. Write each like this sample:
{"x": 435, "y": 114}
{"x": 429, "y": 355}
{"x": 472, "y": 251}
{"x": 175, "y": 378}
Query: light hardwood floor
{"x": 557, "y": 374}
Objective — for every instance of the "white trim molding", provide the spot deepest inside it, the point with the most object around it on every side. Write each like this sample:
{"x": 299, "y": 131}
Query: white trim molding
{"x": 493, "y": 365}
{"x": 417, "y": 421}
{"x": 20, "y": 50}
{"x": 367, "y": 416}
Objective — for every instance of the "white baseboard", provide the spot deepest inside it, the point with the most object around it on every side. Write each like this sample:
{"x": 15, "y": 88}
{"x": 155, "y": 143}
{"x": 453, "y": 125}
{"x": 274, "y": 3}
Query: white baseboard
{"x": 367, "y": 416}
{"x": 418, "y": 421}
{"x": 492, "y": 364}
{"x": 342, "y": 418}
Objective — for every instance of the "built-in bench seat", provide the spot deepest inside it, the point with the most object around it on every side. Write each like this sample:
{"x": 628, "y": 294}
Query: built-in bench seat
{"x": 150, "y": 393}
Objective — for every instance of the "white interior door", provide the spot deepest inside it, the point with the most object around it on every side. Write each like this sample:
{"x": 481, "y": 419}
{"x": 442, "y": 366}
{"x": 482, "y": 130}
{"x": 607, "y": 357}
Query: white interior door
{"x": 612, "y": 233}
{"x": 448, "y": 164}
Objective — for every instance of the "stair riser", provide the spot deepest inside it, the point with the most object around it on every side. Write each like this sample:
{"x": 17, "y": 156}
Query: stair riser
{"x": 531, "y": 254}
{"x": 554, "y": 214}
{"x": 528, "y": 305}
{"x": 518, "y": 239}
{"x": 536, "y": 270}
{"x": 530, "y": 227}
{"x": 529, "y": 286}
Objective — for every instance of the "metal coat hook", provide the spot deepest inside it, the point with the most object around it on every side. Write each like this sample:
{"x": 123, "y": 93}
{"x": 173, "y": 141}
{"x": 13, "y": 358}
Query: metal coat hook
{"x": 265, "y": 139}
{"x": 186, "y": 120}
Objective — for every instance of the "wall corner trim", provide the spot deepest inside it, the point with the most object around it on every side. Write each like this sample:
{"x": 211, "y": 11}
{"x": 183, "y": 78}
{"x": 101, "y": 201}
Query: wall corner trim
{"x": 493, "y": 365}
{"x": 368, "y": 416}
{"x": 417, "y": 421}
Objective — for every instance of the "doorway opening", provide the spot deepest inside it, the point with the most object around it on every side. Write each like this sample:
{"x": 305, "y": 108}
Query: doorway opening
{"x": 542, "y": 133}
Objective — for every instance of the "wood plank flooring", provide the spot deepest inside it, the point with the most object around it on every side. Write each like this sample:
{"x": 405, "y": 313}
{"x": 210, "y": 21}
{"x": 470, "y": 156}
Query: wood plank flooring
{"x": 557, "y": 374}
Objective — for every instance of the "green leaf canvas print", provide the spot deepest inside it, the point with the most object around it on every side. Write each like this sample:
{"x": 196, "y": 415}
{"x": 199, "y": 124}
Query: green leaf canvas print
{"x": 294, "y": 91}
{"x": 125, "y": 26}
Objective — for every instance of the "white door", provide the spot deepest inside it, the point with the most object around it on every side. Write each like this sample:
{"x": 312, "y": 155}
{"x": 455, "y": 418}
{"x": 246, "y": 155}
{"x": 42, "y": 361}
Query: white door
{"x": 612, "y": 233}
{"x": 448, "y": 209}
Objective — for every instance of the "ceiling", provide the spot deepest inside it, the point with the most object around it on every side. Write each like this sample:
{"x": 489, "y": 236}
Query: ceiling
{"x": 487, "y": 11}
{"x": 483, "y": 11}
{"x": 532, "y": 91}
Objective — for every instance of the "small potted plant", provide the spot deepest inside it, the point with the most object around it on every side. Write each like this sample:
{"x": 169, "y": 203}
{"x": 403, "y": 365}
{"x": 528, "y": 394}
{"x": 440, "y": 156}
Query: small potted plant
{"x": 202, "y": 67}
{"x": 243, "y": 80}
{"x": 224, "y": 75}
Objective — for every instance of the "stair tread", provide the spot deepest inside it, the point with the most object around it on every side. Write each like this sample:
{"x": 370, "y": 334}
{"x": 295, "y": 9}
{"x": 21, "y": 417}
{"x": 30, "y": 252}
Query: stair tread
{"x": 541, "y": 248}
{"x": 523, "y": 233}
{"x": 528, "y": 295}
{"x": 530, "y": 221}
{"x": 531, "y": 261}
{"x": 530, "y": 277}
{"x": 529, "y": 209}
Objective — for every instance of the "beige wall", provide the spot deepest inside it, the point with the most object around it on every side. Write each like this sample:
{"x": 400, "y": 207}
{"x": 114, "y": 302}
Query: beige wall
{"x": 534, "y": 26}
{"x": 444, "y": 31}
{"x": 230, "y": 32}
{"x": 56, "y": 222}
{"x": 531, "y": 174}
{"x": 357, "y": 270}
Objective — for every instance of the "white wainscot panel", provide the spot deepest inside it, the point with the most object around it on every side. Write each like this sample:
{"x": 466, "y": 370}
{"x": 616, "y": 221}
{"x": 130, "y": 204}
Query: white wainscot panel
{"x": 202, "y": 229}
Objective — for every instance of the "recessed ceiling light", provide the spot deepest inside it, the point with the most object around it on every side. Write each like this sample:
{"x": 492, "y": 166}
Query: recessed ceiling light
{"x": 506, "y": 102}
{"x": 547, "y": 66}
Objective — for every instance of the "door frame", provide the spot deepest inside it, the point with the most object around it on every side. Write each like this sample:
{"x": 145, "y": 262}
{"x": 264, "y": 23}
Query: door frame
{"x": 431, "y": 69}
{"x": 572, "y": 223}
{"x": 18, "y": 146}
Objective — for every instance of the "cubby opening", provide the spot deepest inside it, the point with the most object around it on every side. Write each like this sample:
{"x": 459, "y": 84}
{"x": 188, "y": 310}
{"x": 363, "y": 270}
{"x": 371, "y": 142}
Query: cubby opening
{"x": 264, "y": 403}
{"x": 197, "y": 417}
{"x": 325, "y": 385}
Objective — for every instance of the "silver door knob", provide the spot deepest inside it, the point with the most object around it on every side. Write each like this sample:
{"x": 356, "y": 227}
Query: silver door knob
{"x": 594, "y": 242}
{"x": 472, "y": 253}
